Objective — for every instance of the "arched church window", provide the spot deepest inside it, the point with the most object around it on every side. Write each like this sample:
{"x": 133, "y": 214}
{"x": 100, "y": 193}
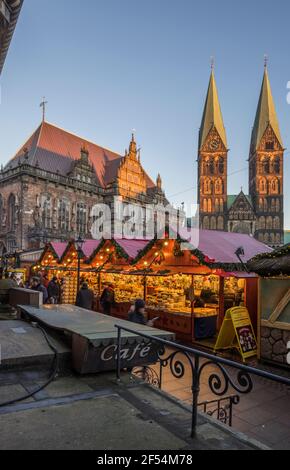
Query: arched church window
{"x": 278, "y": 239}
{"x": 265, "y": 205}
{"x": 274, "y": 186}
{"x": 209, "y": 205}
{"x": 277, "y": 165}
{"x": 266, "y": 165}
{"x": 12, "y": 212}
{"x": 221, "y": 165}
{"x": 266, "y": 238}
{"x": 213, "y": 223}
{"x": 273, "y": 238}
{"x": 261, "y": 204}
{"x": 218, "y": 186}
{"x": 207, "y": 186}
{"x": 277, "y": 205}
{"x": 64, "y": 215}
{"x": 211, "y": 167}
{"x": 217, "y": 205}
{"x": 263, "y": 186}
{"x": 205, "y": 205}
{"x": 221, "y": 205}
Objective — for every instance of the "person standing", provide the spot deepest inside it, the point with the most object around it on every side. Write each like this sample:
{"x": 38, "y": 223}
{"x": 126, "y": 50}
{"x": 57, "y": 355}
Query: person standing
{"x": 107, "y": 299}
{"x": 85, "y": 297}
{"x": 138, "y": 315}
{"x": 53, "y": 290}
{"x": 39, "y": 287}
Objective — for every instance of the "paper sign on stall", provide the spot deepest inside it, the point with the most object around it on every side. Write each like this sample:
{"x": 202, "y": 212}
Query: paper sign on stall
{"x": 237, "y": 332}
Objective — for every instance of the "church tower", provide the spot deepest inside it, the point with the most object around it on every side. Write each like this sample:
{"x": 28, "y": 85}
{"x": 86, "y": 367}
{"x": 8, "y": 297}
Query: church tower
{"x": 212, "y": 163}
{"x": 266, "y": 169}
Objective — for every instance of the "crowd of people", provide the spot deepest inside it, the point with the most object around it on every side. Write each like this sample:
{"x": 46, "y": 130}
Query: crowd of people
{"x": 52, "y": 294}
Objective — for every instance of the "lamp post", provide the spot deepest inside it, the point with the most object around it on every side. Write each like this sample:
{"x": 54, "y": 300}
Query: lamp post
{"x": 79, "y": 245}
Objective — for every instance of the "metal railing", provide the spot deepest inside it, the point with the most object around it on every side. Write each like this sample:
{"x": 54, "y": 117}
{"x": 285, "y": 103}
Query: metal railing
{"x": 219, "y": 381}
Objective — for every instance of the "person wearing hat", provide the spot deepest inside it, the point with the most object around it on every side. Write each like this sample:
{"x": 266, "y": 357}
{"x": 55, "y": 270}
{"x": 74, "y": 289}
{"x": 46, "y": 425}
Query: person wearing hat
{"x": 53, "y": 290}
{"x": 138, "y": 314}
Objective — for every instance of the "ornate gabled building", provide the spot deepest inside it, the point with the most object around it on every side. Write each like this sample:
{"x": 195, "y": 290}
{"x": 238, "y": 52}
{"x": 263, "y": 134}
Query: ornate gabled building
{"x": 261, "y": 213}
{"x": 9, "y": 13}
{"x": 48, "y": 189}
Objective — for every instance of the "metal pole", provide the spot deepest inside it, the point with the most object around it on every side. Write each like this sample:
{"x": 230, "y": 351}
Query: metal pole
{"x": 195, "y": 396}
{"x": 79, "y": 271}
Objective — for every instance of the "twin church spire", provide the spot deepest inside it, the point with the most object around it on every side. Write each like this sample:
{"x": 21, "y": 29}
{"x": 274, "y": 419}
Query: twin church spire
{"x": 261, "y": 212}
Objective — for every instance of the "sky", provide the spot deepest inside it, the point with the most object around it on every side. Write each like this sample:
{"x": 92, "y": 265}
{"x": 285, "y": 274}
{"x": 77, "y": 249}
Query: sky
{"x": 109, "y": 66}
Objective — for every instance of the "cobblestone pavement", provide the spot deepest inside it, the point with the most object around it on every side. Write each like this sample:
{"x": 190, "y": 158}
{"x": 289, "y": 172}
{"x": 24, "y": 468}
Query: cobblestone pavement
{"x": 264, "y": 414}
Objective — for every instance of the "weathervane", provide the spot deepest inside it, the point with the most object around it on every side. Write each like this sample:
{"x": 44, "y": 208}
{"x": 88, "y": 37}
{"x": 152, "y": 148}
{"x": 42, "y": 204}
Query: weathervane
{"x": 43, "y": 106}
{"x": 266, "y": 60}
{"x": 212, "y": 62}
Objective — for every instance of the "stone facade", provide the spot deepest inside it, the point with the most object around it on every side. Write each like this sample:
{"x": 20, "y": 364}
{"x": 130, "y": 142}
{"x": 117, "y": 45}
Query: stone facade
{"x": 37, "y": 205}
{"x": 274, "y": 345}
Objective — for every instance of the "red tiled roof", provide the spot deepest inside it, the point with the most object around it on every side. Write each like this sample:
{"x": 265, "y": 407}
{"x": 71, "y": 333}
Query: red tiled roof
{"x": 53, "y": 149}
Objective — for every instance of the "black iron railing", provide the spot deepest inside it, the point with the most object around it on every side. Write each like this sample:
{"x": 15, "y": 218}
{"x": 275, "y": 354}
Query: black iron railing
{"x": 220, "y": 381}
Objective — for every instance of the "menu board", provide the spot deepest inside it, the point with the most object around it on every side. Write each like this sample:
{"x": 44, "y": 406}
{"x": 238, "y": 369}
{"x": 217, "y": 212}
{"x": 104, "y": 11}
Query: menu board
{"x": 237, "y": 332}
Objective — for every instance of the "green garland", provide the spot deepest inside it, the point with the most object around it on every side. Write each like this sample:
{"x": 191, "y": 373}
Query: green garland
{"x": 121, "y": 253}
{"x": 145, "y": 251}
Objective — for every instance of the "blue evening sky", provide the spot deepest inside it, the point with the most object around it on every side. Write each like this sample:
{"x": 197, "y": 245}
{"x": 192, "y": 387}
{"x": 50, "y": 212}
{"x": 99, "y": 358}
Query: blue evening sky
{"x": 108, "y": 66}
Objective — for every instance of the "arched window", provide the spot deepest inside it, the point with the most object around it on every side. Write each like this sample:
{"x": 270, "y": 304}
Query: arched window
{"x": 217, "y": 205}
{"x": 206, "y": 223}
{"x": 262, "y": 223}
{"x": 211, "y": 166}
{"x": 272, "y": 238}
{"x": 81, "y": 218}
{"x": 64, "y": 215}
{"x": 221, "y": 205}
{"x": 220, "y": 223}
{"x": 263, "y": 186}
{"x": 213, "y": 223}
{"x": 277, "y": 205}
{"x": 205, "y": 205}
{"x": 269, "y": 223}
{"x": 265, "y": 205}
{"x": 218, "y": 186}
{"x": 221, "y": 165}
{"x": 12, "y": 212}
{"x": 278, "y": 239}
{"x": 276, "y": 223}
{"x": 274, "y": 185}
{"x": 46, "y": 211}
{"x": 207, "y": 189}
{"x": 209, "y": 205}
{"x": 266, "y": 238}
{"x": 261, "y": 237}
{"x": 266, "y": 165}
{"x": 261, "y": 204}
{"x": 277, "y": 165}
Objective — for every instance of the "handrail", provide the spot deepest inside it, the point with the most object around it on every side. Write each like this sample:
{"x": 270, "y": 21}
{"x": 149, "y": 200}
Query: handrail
{"x": 219, "y": 383}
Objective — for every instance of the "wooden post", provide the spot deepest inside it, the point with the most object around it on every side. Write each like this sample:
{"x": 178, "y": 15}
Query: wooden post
{"x": 221, "y": 302}
{"x": 192, "y": 309}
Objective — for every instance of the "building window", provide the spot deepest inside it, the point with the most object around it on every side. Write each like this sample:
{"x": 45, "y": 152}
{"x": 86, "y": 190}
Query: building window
{"x": 213, "y": 223}
{"x": 270, "y": 145}
{"x": 81, "y": 218}
{"x": 276, "y": 223}
{"x": 277, "y": 165}
{"x": 12, "y": 212}
{"x": 220, "y": 223}
{"x": 206, "y": 223}
{"x": 221, "y": 165}
{"x": 63, "y": 215}
{"x": 266, "y": 166}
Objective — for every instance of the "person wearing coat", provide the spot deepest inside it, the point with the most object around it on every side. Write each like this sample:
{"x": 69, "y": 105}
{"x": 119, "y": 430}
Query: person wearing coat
{"x": 85, "y": 297}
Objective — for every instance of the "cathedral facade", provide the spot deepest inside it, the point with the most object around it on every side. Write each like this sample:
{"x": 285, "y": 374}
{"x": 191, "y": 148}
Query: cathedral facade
{"x": 259, "y": 213}
{"x": 49, "y": 188}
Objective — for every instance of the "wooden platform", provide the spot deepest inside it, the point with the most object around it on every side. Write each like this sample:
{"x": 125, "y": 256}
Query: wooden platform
{"x": 94, "y": 337}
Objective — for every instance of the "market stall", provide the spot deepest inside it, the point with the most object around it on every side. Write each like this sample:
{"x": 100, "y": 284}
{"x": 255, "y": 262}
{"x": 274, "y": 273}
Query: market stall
{"x": 188, "y": 290}
{"x": 274, "y": 304}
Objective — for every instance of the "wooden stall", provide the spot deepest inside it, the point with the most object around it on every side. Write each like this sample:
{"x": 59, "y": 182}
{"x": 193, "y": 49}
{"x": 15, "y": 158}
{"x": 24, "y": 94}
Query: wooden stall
{"x": 274, "y": 305}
